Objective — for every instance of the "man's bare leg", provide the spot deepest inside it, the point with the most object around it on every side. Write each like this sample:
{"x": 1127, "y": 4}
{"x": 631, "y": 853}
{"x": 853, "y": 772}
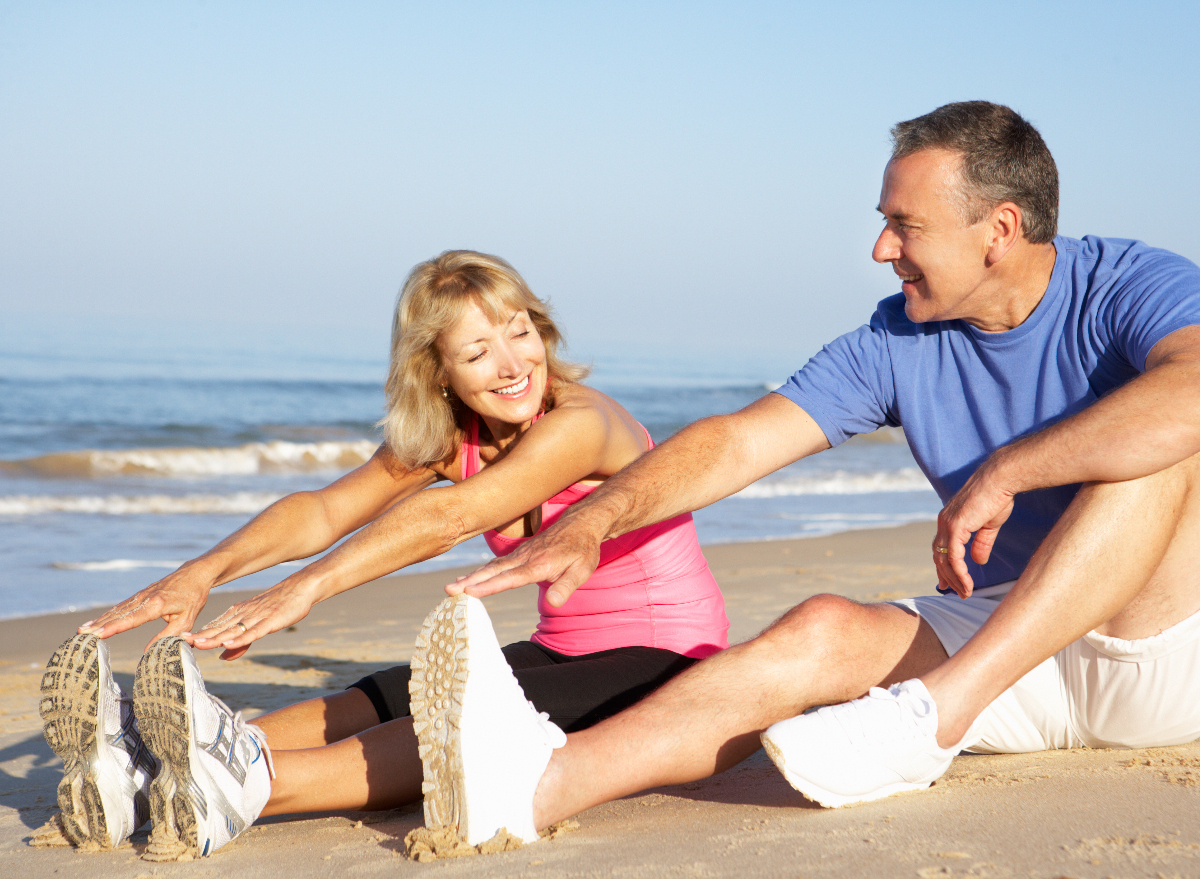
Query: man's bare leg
{"x": 1121, "y": 560}
{"x": 827, "y": 649}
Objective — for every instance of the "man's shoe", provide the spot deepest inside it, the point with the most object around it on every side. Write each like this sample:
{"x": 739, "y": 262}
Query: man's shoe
{"x": 90, "y": 724}
{"x": 483, "y": 746}
{"x": 216, "y": 775}
{"x": 881, "y": 744}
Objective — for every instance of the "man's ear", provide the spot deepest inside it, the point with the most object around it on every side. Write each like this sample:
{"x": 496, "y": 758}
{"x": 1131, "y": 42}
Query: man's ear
{"x": 1004, "y": 231}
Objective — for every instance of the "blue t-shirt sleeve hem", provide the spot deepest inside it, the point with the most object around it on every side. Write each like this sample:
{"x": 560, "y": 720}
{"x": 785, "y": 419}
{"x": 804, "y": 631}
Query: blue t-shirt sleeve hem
{"x": 828, "y": 427}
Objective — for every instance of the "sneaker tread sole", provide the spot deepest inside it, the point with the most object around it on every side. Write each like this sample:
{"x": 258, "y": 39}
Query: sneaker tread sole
{"x": 70, "y": 710}
{"x": 160, "y": 703}
{"x": 436, "y": 686}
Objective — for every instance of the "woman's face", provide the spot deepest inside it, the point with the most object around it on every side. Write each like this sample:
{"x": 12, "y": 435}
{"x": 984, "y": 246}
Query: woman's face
{"x": 498, "y": 369}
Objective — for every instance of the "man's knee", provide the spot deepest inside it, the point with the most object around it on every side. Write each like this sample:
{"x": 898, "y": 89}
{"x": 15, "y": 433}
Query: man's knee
{"x": 811, "y": 622}
{"x": 1177, "y": 485}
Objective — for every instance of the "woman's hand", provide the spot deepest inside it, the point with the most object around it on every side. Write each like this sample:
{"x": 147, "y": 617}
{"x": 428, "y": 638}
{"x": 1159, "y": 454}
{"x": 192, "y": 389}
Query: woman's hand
{"x": 280, "y": 606}
{"x": 177, "y": 599}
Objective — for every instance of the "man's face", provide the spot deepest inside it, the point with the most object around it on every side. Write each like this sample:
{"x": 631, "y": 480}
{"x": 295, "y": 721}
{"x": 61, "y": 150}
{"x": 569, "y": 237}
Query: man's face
{"x": 940, "y": 261}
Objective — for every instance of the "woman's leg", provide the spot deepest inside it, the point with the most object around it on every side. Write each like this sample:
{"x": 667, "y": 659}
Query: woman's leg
{"x": 580, "y": 691}
{"x": 317, "y": 722}
{"x": 332, "y": 753}
{"x": 376, "y": 769}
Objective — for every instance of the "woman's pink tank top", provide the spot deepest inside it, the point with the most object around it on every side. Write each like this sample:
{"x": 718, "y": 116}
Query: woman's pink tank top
{"x": 653, "y": 587}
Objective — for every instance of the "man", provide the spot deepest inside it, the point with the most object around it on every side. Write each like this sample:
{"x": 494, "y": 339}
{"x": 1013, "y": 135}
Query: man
{"x": 1050, "y": 390}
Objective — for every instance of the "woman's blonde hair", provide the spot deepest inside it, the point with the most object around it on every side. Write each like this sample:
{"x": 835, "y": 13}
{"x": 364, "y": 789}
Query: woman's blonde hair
{"x": 423, "y": 425}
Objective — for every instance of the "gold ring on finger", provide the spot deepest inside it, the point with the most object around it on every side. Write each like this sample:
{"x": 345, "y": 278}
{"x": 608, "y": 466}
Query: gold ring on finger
{"x": 243, "y": 625}
{"x": 942, "y": 549}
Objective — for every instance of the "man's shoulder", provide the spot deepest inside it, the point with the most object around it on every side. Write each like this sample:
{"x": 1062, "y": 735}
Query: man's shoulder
{"x": 890, "y": 317}
{"x": 1119, "y": 256}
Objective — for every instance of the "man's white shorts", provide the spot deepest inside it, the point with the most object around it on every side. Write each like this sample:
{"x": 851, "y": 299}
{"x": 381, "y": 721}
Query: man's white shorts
{"x": 1098, "y": 692}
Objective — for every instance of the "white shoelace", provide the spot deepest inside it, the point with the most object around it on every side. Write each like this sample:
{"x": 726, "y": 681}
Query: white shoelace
{"x": 884, "y": 715}
{"x": 240, "y": 727}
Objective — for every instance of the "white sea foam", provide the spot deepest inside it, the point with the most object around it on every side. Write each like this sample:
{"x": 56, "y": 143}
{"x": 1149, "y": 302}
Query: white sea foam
{"x": 132, "y": 565}
{"x": 278, "y": 456}
{"x": 840, "y": 482}
{"x": 241, "y": 503}
{"x": 113, "y": 565}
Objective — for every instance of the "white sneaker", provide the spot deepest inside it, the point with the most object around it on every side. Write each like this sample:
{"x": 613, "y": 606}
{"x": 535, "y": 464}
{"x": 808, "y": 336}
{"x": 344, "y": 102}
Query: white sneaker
{"x": 216, "y": 772}
{"x": 90, "y": 724}
{"x": 881, "y": 744}
{"x": 483, "y": 746}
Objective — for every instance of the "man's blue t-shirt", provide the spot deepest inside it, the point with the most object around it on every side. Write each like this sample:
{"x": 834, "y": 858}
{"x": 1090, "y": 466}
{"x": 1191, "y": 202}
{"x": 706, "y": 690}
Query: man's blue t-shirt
{"x": 961, "y": 393}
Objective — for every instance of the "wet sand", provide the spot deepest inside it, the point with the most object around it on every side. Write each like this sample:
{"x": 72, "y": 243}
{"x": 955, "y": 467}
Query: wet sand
{"x": 1068, "y": 813}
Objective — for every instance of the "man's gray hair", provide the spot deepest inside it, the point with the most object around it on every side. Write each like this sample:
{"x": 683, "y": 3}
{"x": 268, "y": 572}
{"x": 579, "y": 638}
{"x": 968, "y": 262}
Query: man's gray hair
{"x": 1003, "y": 159}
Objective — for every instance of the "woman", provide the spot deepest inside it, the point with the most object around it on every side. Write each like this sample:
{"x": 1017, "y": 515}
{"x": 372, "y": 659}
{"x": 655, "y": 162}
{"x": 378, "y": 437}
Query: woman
{"x": 478, "y": 398}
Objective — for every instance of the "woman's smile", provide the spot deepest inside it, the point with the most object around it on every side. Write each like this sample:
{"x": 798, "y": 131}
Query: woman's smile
{"x": 514, "y": 389}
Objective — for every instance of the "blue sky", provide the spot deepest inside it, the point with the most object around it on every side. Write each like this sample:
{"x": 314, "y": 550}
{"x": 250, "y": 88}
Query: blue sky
{"x": 692, "y": 177}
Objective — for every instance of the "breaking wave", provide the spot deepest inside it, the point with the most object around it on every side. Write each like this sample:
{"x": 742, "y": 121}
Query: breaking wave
{"x": 840, "y": 482}
{"x": 241, "y": 503}
{"x": 278, "y": 456}
{"x": 132, "y": 565}
{"x": 113, "y": 565}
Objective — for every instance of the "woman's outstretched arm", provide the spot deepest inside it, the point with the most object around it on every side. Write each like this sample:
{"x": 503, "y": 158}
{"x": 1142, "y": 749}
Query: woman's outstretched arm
{"x": 295, "y": 527}
{"x": 569, "y": 444}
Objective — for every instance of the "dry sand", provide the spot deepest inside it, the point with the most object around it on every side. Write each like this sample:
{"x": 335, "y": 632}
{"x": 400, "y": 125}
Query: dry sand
{"x": 1068, "y": 813}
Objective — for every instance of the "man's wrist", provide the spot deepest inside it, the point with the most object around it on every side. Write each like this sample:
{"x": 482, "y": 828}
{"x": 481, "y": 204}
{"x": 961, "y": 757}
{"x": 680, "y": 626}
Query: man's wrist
{"x": 598, "y": 515}
{"x": 1007, "y": 471}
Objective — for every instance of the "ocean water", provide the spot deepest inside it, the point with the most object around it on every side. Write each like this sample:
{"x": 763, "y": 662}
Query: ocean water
{"x": 116, "y": 468}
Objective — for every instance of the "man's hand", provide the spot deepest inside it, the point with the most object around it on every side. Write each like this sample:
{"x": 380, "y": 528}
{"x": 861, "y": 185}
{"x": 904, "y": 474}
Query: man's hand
{"x": 565, "y": 555}
{"x": 980, "y": 507}
{"x": 280, "y": 606}
{"x": 177, "y": 599}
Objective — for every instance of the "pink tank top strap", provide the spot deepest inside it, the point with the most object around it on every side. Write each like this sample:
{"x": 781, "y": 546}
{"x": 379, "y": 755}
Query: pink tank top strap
{"x": 653, "y": 587}
{"x": 469, "y": 460}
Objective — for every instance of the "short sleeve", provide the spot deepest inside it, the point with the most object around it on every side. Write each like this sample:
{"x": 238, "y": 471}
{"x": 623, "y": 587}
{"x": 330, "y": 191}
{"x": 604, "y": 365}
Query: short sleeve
{"x": 847, "y": 388}
{"x": 1157, "y": 293}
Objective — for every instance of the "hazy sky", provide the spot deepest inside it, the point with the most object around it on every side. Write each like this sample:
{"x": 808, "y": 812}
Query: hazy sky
{"x": 691, "y": 176}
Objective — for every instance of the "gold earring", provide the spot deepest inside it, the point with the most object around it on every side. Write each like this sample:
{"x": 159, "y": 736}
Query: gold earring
{"x": 445, "y": 394}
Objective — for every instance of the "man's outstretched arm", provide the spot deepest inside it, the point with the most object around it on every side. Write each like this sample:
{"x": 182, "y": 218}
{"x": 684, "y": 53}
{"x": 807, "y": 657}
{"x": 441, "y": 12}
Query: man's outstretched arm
{"x": 703, "y": 463}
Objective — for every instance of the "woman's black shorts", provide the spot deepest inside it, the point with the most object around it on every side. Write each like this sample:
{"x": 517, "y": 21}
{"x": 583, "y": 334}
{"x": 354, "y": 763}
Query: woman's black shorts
{"x": 576, "y": 691}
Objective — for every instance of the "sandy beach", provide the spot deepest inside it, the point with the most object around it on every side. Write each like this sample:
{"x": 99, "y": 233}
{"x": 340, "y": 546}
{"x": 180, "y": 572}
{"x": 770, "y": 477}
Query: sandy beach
{"x": 1061, "y": 814}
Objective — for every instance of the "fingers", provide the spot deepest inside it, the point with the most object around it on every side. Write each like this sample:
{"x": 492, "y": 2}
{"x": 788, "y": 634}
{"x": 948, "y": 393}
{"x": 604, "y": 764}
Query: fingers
{"x": 494, "y": 569}
{"x": 564, "y": 587}
{"x": 239, "y": 642}
{"x": 949, "y": 557}
{"x": 963, "y": 584}
{"x": 985, "y": 539}
{"x": 513, "y": 578}
{"x": 227, "y": 634}
{"x": 129, "y": 614}
{"x": 243, "y": 624}
{"x": 177, "y": 624}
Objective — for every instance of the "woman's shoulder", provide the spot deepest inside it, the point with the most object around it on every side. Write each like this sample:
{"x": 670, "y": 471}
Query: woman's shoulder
{"x": 580, "y": 408}
{"x": 578, "y": 402}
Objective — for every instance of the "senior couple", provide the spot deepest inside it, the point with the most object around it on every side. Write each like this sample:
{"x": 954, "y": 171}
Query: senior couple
{"x": 1048, "y": 387}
